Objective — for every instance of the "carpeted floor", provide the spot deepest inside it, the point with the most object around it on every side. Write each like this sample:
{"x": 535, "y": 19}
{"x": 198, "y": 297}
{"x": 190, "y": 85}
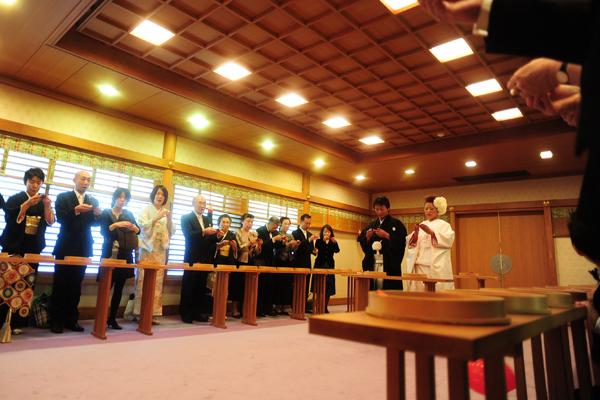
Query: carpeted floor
{"x": 276, "y": 360}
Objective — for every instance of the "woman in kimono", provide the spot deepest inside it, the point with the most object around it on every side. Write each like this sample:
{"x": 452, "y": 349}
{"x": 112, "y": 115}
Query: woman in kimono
{"x": 157, "y": 229}
{"x": 428, "y": 246}
{"x": 120, "y": 230}
{"x": 226, "y": 254}
{"x": 325, "y": 247}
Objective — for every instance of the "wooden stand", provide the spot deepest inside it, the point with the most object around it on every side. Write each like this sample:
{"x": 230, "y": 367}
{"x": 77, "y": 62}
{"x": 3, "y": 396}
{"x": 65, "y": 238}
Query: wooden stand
{"x": 319, "y": 298}
{"x": 250, "y": 298}
{"x": 220, "y": 292}
{"x": 299, "y": 299}
{"x": 147, "y": 306}
{"x": 102, "y": 301}
{"x": 461, "y": 344}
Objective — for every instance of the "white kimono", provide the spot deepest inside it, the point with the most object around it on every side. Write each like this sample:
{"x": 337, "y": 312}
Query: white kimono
{"x": 434, "y": 261}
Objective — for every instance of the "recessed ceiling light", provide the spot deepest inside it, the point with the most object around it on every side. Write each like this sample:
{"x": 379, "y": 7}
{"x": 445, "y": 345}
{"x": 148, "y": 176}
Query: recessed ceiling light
{"x": 409, "y": 171}
{"x": 336, "y": 122}
{"x": 319, "y": 162}
{"x": 370, "y": 140}
{"x": 546, "y": 154}
{"x": 292, "y": 100}
{"x": 108, "y": 90}
{"x": 232, "y": 71}
{"x": 198, "y": 121}
{"x": 440, "y": 134}
{"x": 152, "y": 33}
{"x": 451, "y": 50}
{"x": 471, "y": 164}
{"x": 509, "y": 113}
{"x": 268, "y": 144}
{"x": 8, "y": 2}
{"x": 484, "y": 87}
{"x": 360, "y": 177}
{"x": 397, "y": 6}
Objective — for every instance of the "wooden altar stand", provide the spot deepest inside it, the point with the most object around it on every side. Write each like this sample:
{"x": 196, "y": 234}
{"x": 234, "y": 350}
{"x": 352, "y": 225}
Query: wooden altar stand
{"x": 480, "y": 279}
{"x": 461, "y": 344}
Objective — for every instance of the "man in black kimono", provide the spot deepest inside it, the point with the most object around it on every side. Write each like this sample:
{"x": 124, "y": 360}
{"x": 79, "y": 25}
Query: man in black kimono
{"x": 392, "y": 235}
{"x": 76, "y": 212}
{"x": 27, "y": 215}
{"x": 200, "y": 241}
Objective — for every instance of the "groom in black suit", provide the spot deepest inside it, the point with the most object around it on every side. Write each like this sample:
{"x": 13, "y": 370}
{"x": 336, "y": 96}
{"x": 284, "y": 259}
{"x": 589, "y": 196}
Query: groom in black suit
{"x": 76, "y": 212}
{"x": 200, "y": 242}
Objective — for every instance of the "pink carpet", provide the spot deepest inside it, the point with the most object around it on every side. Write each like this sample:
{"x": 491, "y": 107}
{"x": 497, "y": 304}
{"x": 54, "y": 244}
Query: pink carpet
{"x": 277, "y": 360}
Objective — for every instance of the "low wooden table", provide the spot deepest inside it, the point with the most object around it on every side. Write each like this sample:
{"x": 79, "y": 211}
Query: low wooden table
{"x": 461, "y": 344}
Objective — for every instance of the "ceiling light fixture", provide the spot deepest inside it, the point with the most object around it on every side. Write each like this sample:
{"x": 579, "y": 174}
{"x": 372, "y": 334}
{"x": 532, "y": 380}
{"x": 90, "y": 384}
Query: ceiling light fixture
{"x": 371, "y": 140}
{"x": 451, "y": 50}
{"x": 8, "y": 2}
{"x": 319, "y": 162}
{"x": 268, "y": 145}
{"x": 232, "y": 71}
{"x": 510, "y": 113}
{"x": 337, "y": 122}
{"x": 484, "y": 87}
{"x": 152, "y": 32}
{"x": 409, "y": 171}
{"x": 198, "y": 121}
{"x": 397, "y": 6}
{"x": 471, "y": 164}
{"x": 360, "y": 177}
{"x": 291, "y": 100}
{"x": 108, "y": 90}
{"x": 546, "y": 155}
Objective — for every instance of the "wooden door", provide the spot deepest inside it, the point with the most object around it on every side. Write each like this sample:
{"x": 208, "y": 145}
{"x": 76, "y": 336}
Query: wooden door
{"x": 521, "y": 235}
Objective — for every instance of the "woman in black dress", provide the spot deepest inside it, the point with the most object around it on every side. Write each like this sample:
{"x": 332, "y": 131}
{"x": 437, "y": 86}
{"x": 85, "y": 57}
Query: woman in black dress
{"x": 325, "y": 247}
{"x": 226, "y": 254}
{"x": 120, "y": 230}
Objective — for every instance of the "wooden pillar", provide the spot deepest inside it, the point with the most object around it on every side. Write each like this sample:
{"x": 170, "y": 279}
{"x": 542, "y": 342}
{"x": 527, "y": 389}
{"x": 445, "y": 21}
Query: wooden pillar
{"x": 550, "y": 257}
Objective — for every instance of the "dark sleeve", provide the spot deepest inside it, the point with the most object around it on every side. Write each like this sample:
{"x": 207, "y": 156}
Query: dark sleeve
{"x": 190, "y": 231}
{"x": 335, "y": 247}
{"x": 1, "y": 202}
{"x": 65, "y": 214}
{"x": 105, "y": 222}
{"x": 559, "y": 29}
{"x": 133, "y": 221}
{"x": 398, "y": 238}
{"x": 12, "y": 207}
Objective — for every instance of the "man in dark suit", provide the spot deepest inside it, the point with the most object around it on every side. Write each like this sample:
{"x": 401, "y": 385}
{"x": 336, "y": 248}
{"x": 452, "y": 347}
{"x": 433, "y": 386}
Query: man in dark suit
{"x": 76, "y": 212}
{"x": 27, "y": 215}
{"x": 267, "y": 237}
{"x": 305, "y": 247}
{"x": 392, "y": 235}
{"x": 200, "y": 242}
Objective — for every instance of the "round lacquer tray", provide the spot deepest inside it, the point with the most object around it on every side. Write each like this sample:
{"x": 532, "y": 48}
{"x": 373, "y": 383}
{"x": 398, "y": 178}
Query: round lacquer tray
{"x": 442, "y": 308}
{"x": 556, "y": 299}
{"x": 516, "y": 302}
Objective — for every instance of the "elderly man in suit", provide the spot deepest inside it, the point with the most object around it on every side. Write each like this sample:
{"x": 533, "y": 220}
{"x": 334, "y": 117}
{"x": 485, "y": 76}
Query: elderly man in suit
{"x": 76, "y": 212}
{"x": 200, "y": 242}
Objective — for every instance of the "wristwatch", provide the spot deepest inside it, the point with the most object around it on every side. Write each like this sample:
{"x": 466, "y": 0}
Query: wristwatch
{"x": 562, "y": 75}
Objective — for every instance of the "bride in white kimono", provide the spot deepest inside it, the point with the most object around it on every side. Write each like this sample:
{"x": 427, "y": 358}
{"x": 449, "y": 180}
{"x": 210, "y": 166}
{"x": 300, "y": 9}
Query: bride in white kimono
{"x": 428, "y": 246}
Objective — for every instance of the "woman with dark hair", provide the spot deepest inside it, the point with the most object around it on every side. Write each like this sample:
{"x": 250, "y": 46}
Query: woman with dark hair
{"x": 156, "y": 223}
{"x": 120, "y": 230}
{"x": 226, "y": 254}
{"x": 429, "y": 246}
{"x": 27, "y": 215}
{"x": 325, "y": 247}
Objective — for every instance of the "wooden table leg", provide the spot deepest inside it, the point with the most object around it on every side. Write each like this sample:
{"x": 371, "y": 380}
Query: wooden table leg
{"x": 425, "y": 371}
{"x": 539, "y": 372}
{"x": 319, "y": 293}
{"x": 361, "y": 293}
{"x": 519, "y": 362}
{"x": 480, "y": 283}
{"x": 495, "y": 380}
{"x": 220, "y": 299}
{"x": 395, "y": 374}
{"x": 566, "y": 352}
{"x": 555, "y": 365}
{"x": 349, "y": 296}
{"x": 147, "y": 306}
{"x": 582, "y": 362}
{"x": 458, "y": 379}
{"x": 102, "y": 301}
{"x": 250, "y": 298}
{"x": 299, "y": 300}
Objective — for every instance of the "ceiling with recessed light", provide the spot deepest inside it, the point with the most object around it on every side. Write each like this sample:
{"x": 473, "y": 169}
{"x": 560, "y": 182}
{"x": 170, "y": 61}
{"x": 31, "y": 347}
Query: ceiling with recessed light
{"x": 347, "y": 60}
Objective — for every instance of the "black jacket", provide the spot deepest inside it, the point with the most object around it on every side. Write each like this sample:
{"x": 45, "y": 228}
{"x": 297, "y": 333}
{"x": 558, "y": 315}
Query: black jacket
{"x": 75, "y": 236}
{"x": 304, "y": 250}
{"x": 198, "y": 248}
